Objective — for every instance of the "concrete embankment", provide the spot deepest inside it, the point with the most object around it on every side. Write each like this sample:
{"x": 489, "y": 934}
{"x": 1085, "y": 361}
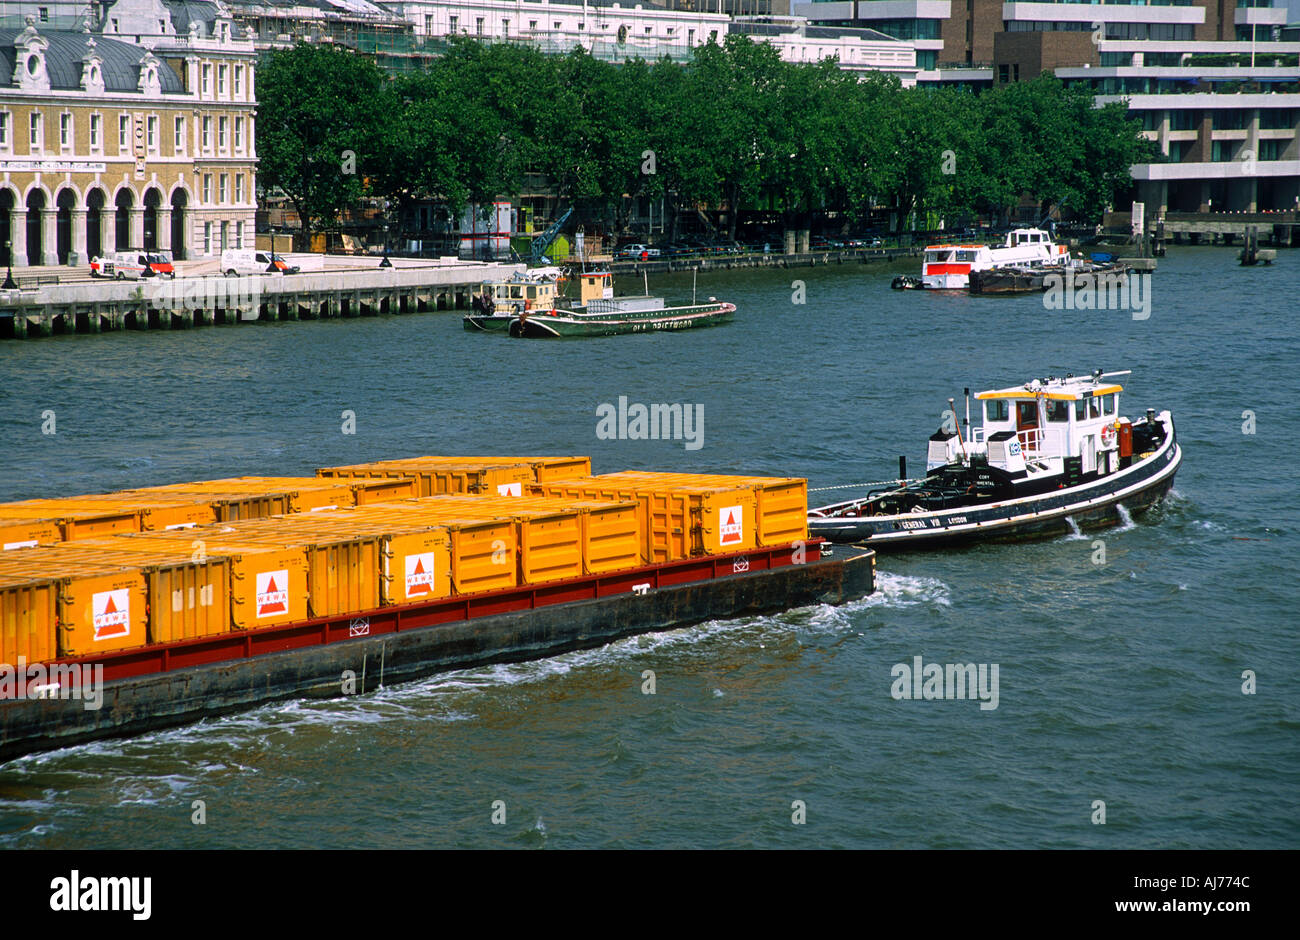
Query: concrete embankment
{"x": 200, "y": 296}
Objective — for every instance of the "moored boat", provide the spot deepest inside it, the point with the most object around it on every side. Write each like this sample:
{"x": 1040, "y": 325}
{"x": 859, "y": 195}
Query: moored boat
{"x": 533, "y": 308}
{"x": 1052, "y": 456}
{"x": 949, "y": 267}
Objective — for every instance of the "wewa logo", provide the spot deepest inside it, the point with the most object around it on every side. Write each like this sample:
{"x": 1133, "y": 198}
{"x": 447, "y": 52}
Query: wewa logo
{"x": 733, "y": 526}
{"x": 272, "y": 593}
{"x": 112, "y": 614}
{"x": 419, "y": 574}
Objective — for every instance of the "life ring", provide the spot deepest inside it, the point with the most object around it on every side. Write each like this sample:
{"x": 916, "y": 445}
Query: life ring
{"x": 1107, "y": 435}
{"x": 528, "y": 305}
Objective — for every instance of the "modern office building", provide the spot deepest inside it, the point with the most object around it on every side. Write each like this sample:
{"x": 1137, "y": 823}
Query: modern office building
{"x": 1216, "y": 83}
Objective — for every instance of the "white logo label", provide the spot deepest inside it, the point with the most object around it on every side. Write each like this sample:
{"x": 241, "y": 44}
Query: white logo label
{"x": 1013, "y": 447}
{"x": 272, "y": 593}
{"x": 112, "y": 613}
{"x": 419, "y": 574}
{"x": 739, "y": 565}
{"x": 733, "y": 526}
{"x": 359, "y": 627}
{"x": 510, "y": 489}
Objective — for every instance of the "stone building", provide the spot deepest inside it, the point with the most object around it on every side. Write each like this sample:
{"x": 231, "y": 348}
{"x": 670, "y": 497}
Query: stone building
{"x": 133, "y": 130}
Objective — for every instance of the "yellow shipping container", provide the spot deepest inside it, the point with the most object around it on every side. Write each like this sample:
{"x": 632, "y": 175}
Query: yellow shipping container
{"x": 342, "y": 570}
{"x": 482, "y": 550}
{"x": 782, "y": 502}
{"x": 548, "y": 540}
{"x": 436, "y": 478}
{"x": 157, "y": 512}
{"x": 76, "y": 524}
{"x": 29, "y": 620}
{"x": 188, "y": 597}
{"x": 229, "y": 503}
{"x": 352, "y": 492}
{"x": 268, "y": 584}
{"x": 415, "y": 558}
{"x": 100, "y": 605}
{"x": 679, "y": 520}
{"x": 545, "y": 469}
{"x": 27, "y": 533}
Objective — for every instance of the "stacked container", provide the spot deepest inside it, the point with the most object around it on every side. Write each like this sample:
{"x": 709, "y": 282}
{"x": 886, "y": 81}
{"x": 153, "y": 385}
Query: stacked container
{"x": 609, "y": 533}
{"x": 499, "y": 476}
{"x": 188, "y": 595}
{"x": 73, "y": 524}
{"x": 680, "y": 518}
{"x": 268, "y": 583}
{"x": 95, "y": 604}
{"x": 28, "y": 533}
{"x": 781, "y": 503}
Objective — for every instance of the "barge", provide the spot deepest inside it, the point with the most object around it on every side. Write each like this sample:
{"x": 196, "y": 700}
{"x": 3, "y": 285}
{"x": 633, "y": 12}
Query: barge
{"x": 142, "y": 609}
{"x": 166, "y": 685}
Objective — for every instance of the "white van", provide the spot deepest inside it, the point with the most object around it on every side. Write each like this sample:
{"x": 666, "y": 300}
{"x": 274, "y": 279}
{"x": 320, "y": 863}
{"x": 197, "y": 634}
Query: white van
{"x": 237, "y": 261}
{"x": 133, "y": 265}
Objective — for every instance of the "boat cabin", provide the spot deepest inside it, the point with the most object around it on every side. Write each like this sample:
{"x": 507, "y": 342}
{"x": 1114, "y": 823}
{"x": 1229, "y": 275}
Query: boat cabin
{"x": 1034, "y": 428}
{"x": 595, "y": 285}
{"x": 950, "y": 266}
{"x": 521, "y": 293}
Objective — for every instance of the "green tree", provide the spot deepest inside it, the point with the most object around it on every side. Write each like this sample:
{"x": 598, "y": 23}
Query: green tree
{"x": 322, "y": 130}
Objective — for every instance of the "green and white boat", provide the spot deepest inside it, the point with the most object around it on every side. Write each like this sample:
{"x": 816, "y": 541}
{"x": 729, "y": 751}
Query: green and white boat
{"x": 531, "y": 306}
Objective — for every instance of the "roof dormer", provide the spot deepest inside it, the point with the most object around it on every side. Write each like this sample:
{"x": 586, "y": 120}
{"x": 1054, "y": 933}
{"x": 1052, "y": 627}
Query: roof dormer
{"x": 29, "y": 59}
{"x": 92, "y": 69}
{"x": 149, "y": 82}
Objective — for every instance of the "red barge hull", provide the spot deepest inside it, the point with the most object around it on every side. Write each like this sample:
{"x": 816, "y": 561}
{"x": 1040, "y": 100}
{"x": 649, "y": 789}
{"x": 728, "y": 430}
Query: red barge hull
{"x": 166, "y": 685}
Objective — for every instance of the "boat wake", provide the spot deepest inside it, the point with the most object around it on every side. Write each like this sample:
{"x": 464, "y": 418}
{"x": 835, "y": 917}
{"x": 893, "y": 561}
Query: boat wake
{"x": 1075, "y": 532}
{"x": 1125, "y": 518}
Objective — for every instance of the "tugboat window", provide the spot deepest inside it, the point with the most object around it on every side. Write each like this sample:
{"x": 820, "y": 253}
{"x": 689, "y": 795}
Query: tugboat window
{"x": 1058, "y": 412}
{"x": 1108, "y": 404}
{"x": 1080, "y": 410}
{"x": 1094, "y": 408}
{"x": 995, "y": 410}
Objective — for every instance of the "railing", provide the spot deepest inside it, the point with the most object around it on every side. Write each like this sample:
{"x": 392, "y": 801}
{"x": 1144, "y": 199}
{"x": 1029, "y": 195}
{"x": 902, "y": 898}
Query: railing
{"x": 1030, "y": 440}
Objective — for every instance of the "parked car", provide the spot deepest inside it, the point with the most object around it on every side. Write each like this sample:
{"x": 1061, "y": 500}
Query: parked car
{"x": 638, "y": 252}
{"x": 132, "y": 265}
{"x": 237, "y": 261}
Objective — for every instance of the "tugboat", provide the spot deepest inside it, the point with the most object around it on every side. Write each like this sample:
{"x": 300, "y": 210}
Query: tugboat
{"x": 1053, "y": 456}
{"x": 532, "y": 307}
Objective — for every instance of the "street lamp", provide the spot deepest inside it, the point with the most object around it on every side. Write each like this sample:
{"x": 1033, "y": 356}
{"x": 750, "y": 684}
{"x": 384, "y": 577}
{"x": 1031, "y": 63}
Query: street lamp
{"x": 270, "y": 267}
{"x": 385, "y": 263}
{"x": 10, "y": 283}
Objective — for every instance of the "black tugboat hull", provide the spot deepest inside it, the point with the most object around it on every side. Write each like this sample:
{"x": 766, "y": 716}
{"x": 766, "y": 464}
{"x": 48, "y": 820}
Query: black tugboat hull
{"x": 1093, "y": 505}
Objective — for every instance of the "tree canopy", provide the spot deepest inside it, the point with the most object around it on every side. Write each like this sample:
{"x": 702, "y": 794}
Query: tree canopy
{"x": 735, "y": 127}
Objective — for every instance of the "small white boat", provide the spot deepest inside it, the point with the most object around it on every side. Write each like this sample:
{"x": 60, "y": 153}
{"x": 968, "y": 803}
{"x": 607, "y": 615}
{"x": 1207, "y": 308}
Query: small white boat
{"x": 949, "y": 267}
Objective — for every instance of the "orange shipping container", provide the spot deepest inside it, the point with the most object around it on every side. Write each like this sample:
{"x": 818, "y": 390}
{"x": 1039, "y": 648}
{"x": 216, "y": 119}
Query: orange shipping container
{"x": 76, "y": 523}
{"x": 435, "y": 478}
{"x": 28, "y": 620}
{"x": 678, "y": 520}
{"x": 27, "y": 533}
{"x": 268, "y": 584}
{"x": 482, "y": 550}
{"x": 548, "y": 540}
{"x": 100, "y": 604}
{"x": 781, "y": 502}
{"x": 189, "y": 595}
{"x": 415, "y": 560}
{"x": 342, "y": 570}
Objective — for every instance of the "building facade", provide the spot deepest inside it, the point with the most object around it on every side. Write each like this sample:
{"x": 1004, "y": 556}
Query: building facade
{"x": 1216, "y": 83}
{"x": 135, "y": 131}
